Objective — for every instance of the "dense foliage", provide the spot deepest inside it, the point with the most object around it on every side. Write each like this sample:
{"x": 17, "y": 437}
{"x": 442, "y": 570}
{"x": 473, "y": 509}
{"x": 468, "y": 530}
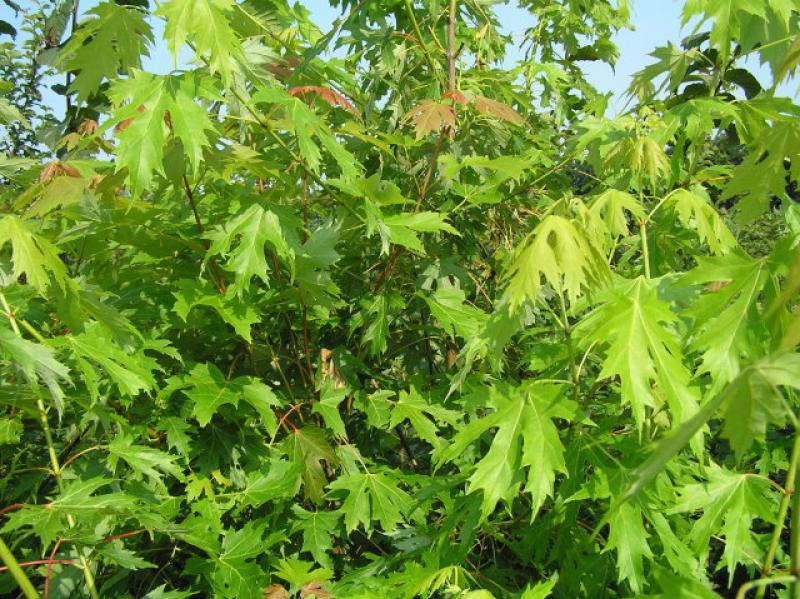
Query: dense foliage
{"x": 361, "y": 313}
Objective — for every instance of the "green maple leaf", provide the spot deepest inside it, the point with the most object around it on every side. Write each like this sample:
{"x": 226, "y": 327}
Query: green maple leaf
{"x": 449, "y": 307}
{"x": 376, "y": 318}
{"x": 308, "y": 447}
{"x": 281, "y": 481}
{"x": 241, "y": 315}
{"x": 751, "y": 401}
{"x": 422, "y": 415}
{"x": 633, "y": 325}
{"x": 37, "y": 363}
{"x": 377, "y": 406}
{"x": 146, "y": 461}
{"x": 32, "y": 255}
{"x": 307, "y": 126}
{"x": 402, "y": 229}
{"x": 613, "y": 208}
{"x": 727, "y": 16}
{"x": 76, "y": 499}
{"x": 371, "y": 497}
{"x": 10, "y": 113}
{"x": 762, "y": 175}
{"x": 559, "y": 253}
{"x": 694, "y": 210}
{"x": 313, "y": 260}
{"x": 672, "y": 61}
{"x": 628, "y": 537}
{"x": 262, "y": 399}
{"x": 176, "y": 429}
{"x": 541, "y": 590}
{"x": 729, "y": 502}
{"x": 125, "y": 558}
{"x": 233, "y": 573}
{"x": 203, "y": 22}
{"x": 208, "y": 392}
{"x": 60, "y": 192}
{"x": 10, "y": 431}
{"x": 104, "y": 46}
{"x": 317, "y": 528}
{"x": 155, "y": 107}
{"x": 243, "y": 239}
{"x": 643, "y": 156}
{"x": 754, "y": 400}
{"x": 729, "y": 324}
{"x": 162, "y": 593}
{"x": 132, "y": 372}
{"x": 298, "y": 572}
{"x": 526, "y": 438}
{"x": 328, "y": 407}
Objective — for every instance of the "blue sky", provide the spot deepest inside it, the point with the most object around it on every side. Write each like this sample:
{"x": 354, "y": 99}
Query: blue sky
{"x": 655, "y": 22}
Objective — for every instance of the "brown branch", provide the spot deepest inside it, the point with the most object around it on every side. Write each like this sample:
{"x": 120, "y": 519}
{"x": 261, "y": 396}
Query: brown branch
{"x": 42, "y": 562}
{"x": 306, "y": 343}
{"x": 390, "y": 265}
{"x": 451, "y": 46}
{"x": 123, "y": 535}
{"x": 50, "y": 569}
{"x": 283, "y": 419}
{"x": 193, "y": 204}
{"x": 11, "y": 508}
{"x": 213, "y": 269}
{"x": 77, "y": 455}
{"x": 71, "y": 445}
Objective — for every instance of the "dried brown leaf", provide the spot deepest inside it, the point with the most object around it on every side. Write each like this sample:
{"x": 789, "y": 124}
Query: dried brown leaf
{"x": 87, "y": 127}
{"x": 315, "y": 589}
{"x": 276, "y": 591}
{"x": 429, "y": 117}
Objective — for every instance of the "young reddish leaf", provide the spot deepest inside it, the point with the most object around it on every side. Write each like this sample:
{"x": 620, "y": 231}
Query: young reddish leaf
{"x": 487, "y": 106}
{"x": 456, "y": 96}
{"x": 332, "y": 97}
{"x": 283, "y": 68}
{"x": 56, "y": 169}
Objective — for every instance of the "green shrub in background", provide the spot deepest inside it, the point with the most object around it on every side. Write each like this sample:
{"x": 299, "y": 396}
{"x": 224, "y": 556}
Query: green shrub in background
{"x": 393, "y": 321}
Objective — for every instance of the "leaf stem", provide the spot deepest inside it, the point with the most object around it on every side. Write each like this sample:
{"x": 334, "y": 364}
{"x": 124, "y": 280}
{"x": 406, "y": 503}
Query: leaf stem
{"x": 451, "y": 46}
{"x": 415, "y": 25}
{"x": 762, "y": 584}
{"x": 645, "y": 248}
{"x": 51, "y": 450}
{"x": 22, "y": 580}
{"x": 573, "y": 365}
{"x": 788, "y": 492}
{"x": 794, "y": 544}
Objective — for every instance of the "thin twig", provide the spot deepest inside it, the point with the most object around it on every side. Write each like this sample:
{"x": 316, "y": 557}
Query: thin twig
{"x": 214, "y": 269}
{"x": 41, "y": 562}
{"x": 50, "y": 568}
